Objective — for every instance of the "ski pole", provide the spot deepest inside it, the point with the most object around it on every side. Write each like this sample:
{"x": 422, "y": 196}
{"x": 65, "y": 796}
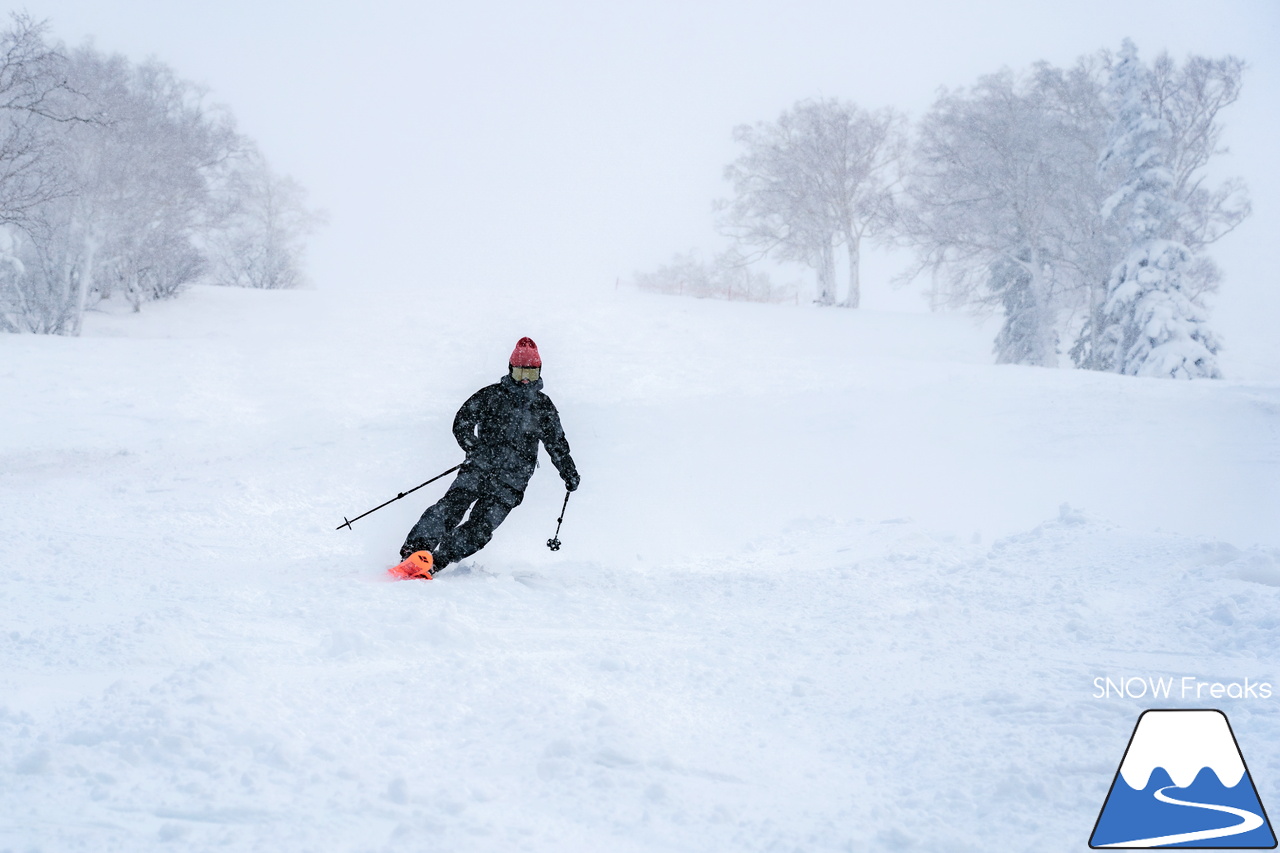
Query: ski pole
{"x": 347, "y": 523}
{"x": 554, "y": 542}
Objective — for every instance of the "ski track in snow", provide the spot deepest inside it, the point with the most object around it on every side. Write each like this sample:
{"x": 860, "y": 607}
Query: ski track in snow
{"x": 731, "y": 652}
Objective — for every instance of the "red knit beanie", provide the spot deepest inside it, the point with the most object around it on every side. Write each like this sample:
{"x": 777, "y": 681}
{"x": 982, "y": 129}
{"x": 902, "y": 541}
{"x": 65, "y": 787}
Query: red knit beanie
{"x": 525, "y": 354}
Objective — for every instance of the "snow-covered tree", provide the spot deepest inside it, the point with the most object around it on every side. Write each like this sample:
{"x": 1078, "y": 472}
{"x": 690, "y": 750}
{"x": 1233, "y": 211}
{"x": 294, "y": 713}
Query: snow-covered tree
{"x": 260, "y": 244}
{"x": 1021, "y": 337}
{"x": 137, "y": 178}
{"x": 1006, "y": 175}
{"x": 1152, "y": 325}
{"x": 38, "y": 110}
{"x": 146, "y": 177}
{"x": 820, "y": 176}
{"x": 1003, "y": 196}
{"x": 133, "y": 175}
{"x": 119, "y": 179}
{"x": 35, "y": 102}
{"x": 1188, "y": 98}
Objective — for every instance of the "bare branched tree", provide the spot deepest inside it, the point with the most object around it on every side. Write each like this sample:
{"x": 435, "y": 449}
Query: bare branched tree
{"x": 119, "y": 179}
{"x": 1004, "y": 194}
{"x": 821, "y": 175}
{"x": 146, "y": 176}
{"x": 35, "y": 99}
{"x": 1189, "y": 98}
{"x": 260, "y": 244}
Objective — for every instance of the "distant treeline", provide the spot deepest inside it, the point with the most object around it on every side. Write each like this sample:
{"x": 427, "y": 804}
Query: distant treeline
{"x": 1075, "y": 200}
{"x": 728, "y": 276}
{"x": 119, "y": 179}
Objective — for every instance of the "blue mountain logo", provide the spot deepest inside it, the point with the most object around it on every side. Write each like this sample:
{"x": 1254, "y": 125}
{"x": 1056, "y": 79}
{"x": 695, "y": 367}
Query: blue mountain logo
{"x": 1183, "y": 783}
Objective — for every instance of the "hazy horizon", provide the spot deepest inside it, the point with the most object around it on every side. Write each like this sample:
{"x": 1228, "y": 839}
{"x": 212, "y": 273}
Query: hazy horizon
{"x": 571, "y": 145}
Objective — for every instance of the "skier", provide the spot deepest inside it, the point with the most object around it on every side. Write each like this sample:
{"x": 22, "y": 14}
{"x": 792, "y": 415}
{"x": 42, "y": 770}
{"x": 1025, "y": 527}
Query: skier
{"x": 499, "y": 428}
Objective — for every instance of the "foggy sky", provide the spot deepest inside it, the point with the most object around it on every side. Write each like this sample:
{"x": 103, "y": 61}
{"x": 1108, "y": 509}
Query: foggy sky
{"x": 569, "y": 143}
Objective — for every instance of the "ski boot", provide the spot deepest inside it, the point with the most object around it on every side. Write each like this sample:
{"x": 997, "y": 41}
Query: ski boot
{"x": 419, "y": 564}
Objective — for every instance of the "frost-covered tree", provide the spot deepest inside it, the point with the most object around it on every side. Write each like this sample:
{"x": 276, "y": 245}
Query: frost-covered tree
{"x": 137, "y": 180}
{"x": 1171, "y": 112}
{"x": 119, "y": 179}
{"x": 146, "y": 176}
{"x": 1188, "y": 99}
{"x": 820, "y": 176}
{"x": 260, "y": 244}
{"x": 1003, "y": 195}
{"x": 1006, "y": 175}
{"x": 38, "y": 110}
{"x": 35, "y": 102}
{"x": 1019, "y": 339}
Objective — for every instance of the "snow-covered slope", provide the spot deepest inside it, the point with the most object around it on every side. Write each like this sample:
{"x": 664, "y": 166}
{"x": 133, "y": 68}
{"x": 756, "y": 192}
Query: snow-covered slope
{"x": 832, "y": 581}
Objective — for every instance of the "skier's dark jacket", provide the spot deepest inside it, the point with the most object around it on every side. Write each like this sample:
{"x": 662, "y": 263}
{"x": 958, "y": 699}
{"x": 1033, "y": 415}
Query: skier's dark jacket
{"x": 499, "y": 427}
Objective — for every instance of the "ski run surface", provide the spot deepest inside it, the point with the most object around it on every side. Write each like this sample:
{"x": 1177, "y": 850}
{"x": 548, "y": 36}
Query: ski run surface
{"x": 833, "y": 581}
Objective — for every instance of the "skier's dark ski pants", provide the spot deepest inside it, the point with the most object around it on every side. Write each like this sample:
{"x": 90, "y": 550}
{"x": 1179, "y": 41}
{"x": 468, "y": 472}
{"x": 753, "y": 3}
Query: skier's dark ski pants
{"x": 439, "y": 531}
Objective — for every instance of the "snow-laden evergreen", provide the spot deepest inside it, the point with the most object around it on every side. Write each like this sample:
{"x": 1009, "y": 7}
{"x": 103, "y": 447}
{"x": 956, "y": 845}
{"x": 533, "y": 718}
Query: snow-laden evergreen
{"x": 1027, "y": 334}
{"x": 1153, "y": 328}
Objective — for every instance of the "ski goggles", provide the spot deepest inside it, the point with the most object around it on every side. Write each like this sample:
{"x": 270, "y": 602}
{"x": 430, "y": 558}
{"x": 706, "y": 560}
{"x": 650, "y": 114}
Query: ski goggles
{"x": 525, "y": 374}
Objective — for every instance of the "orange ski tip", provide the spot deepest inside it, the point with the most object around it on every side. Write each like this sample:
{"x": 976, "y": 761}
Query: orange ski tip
{"x": 419, "y": 564}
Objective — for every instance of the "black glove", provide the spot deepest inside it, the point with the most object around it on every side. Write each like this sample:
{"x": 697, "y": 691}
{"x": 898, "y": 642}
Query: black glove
{"x": 571, "y": 481}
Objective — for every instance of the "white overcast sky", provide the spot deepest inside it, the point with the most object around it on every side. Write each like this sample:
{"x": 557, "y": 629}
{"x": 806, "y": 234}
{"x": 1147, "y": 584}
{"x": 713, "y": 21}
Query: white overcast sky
{"x": 569, "y": 143}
